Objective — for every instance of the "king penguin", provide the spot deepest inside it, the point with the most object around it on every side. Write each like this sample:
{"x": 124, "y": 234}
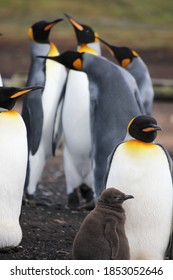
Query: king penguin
{"x": 134, "y": 64}
{"x": 144, "y": 168}
{"x": 41, "y": 110}
{"x": 113, "y": 100}
{"x": 101, "y": 235}
{"x": 13, "y": 164}
{"x": 76, "y": 124}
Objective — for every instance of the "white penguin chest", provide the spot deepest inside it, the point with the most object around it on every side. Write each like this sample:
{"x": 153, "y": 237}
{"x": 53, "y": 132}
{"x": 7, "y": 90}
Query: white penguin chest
{"x": 76, "y": 113}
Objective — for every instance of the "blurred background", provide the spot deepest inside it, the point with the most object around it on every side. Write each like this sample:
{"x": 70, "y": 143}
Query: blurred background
{"x": 145, "y": 26}
{"x": 142, "y": 25}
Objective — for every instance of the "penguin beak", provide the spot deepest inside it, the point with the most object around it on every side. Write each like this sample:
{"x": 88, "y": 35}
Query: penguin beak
{"x": 103, "y": 41}
{"x": 109, "y": 47}
{"x": 74, "y": 23}
{"x": 20, "y": 92}
{"x": 152, "y": 127}
{"x": 128, "y": 197}
{"x": 52, "y": 23}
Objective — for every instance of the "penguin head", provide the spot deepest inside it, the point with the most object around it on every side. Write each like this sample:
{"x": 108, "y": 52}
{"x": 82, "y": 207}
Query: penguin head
{"x": 40, "y": 30}
{"x": 124, "y": 55}
{"x": 112, "y": 198}
{"x": 143, "y": 128}
{"x": 9, "y": 96}
{"x": 84, "y": 33}
{"x": 70, "y": 59}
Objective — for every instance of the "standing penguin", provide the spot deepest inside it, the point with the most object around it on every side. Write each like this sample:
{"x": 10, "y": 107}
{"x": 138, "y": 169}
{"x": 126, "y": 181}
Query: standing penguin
{"x": 102, "y": 235}
{"x": 41, "y": 111}
{"x": 135, "y": 65}
{"x": 144, "y": 169}
{"x": 113, "y": 100}
{"x": 76, "y": 124}
{"x": 13, "y": 164}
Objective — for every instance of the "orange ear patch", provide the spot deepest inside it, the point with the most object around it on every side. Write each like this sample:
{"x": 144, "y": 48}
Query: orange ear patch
{"x": 135, "y": 53}
{"x": 96, "y": 35}
{"x": 130, "y": 122}
{"x": 77, "y": 64}
{"x": 30, "y": 34}
{"x": 125, "y": 62}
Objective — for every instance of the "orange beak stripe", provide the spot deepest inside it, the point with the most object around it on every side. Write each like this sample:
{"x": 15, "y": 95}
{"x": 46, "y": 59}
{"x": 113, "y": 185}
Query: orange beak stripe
{"x": 19, "y": 93}
{"x": 148, "y": 129}
{"x": 77, "y": 25}
{"x": 49, "y": 26}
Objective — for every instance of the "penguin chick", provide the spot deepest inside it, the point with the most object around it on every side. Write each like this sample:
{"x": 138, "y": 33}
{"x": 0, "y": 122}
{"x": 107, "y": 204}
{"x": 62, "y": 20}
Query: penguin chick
{"x": 144, "y": 168}
{"x": 13, "y": 163}
{"x": 134, "y": 64}
{"x": 102, "y": 235}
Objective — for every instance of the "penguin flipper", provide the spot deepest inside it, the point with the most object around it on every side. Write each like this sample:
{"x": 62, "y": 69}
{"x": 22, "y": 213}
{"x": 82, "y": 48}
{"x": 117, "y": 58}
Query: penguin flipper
{"x": 35, "y": 113}
{"x": 109, "y": 161}
{"x": 57, "y": 131}
{"x": 113, "y": 239}
{"x": 57, "y": 127}
{"x": 169, "y": 251}
{"x": 168, "y": 158}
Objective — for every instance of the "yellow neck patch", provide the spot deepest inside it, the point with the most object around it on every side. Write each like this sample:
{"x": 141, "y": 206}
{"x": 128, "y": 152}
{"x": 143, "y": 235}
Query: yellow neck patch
{"x": 137, "y": 148}
{"x": 85, "y": 48}
{"x": 53, "y": 50}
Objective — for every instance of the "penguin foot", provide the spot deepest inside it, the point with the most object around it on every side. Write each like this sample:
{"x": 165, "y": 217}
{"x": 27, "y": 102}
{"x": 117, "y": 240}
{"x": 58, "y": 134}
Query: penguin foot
{"x": 86, "y": 192}
{"x": 28, "y": 199}
{"x": 73, "y": 200}
{"x": 81, "y": 198}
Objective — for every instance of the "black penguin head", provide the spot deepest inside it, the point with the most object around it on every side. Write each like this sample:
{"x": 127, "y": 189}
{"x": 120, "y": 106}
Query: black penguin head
{"x": 84, "y": 33}
{"x": 40, "y": 30}
{"x": 9, "y": 95}
{"x": 124, "y": 55}
{"x": 112, "y": 198}
{"x": 143, "y": 128}
{"x": 70, "y": 59}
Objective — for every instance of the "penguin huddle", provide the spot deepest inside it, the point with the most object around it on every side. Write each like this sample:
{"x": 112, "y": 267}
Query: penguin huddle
{"x": 103, "y": 113}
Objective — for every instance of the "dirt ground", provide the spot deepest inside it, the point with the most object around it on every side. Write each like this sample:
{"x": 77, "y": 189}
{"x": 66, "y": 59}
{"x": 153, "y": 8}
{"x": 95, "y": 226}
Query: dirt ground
{"x": 48, "y": 226}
